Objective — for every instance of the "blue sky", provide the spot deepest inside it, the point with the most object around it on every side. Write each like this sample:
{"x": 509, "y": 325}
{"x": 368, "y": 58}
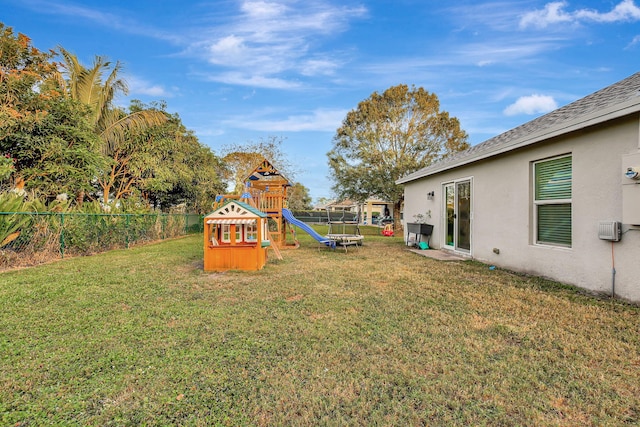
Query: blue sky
{"x": 241, "y": 70}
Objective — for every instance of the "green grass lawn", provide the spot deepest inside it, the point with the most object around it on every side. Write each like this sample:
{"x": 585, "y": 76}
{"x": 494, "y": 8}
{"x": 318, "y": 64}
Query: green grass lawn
{"x": 374, "y": 336}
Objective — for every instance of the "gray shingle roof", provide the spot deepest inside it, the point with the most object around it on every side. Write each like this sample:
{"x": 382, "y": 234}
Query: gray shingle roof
{"x": 617, "y": 100}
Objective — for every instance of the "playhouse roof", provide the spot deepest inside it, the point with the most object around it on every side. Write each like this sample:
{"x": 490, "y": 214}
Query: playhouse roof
{"x": 618, "y": 100}
{"x": 265, "y": 171}
{"x": 234, "y": 209}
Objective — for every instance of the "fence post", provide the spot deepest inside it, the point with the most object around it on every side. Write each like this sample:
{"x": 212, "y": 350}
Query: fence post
{"x": 61, "y": 235}
{"x": 126, "y": 229}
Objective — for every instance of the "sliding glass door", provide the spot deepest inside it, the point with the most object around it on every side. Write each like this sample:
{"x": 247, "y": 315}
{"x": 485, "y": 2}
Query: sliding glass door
{"x": 457, "y": 196}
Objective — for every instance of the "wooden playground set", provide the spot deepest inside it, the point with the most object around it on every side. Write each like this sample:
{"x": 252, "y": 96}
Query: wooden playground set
{"x": 243, "y": 227}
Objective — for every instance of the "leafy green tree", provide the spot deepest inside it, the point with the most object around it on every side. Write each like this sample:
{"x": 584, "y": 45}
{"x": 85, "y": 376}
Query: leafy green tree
{"x": 242, "y": 159}
{"x": 22, "y": 69}
{"x": 48, "y": 137}
{"x": 134, "y": 162}
{"x": 58, "y": 153}
{"x": 388, "y": 136}
{"x": 199, "y": 190}
{"x": 60, "y": 132}
{"x": 298, "y": 197}
{"x": 7, "y": 167}
{"x": 97, "y": 87}
{"x": 173, "y": 167}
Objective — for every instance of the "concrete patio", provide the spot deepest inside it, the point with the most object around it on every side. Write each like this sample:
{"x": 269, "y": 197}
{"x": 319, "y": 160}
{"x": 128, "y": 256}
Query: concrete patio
{"x": 440, "y": 255}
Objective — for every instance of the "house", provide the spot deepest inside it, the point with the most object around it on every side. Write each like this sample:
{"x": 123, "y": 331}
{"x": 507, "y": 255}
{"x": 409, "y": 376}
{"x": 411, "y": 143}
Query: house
{"x": 342, "y": 206}
{"x": 235, "y": 237}
{"x": 375, "y": 209}
{"x": 551, "y": 197}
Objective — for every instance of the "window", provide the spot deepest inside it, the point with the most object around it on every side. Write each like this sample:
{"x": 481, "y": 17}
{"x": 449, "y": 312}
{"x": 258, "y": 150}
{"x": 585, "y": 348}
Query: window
{"x": 251, "y": 232}
{"x": 238, "y": 233}
{"x": 552, "y": 201}
{"x": 226, "y": 233}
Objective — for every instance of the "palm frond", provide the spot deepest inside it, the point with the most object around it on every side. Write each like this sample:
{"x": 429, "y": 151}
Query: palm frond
{"x": 72, "y": 69}
{"x": 104, "y": 97}
{"x": 116, "y": 133}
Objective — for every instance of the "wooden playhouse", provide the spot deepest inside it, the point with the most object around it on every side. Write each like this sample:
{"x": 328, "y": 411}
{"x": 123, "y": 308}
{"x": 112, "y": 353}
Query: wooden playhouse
{"x": 235, "y": 237}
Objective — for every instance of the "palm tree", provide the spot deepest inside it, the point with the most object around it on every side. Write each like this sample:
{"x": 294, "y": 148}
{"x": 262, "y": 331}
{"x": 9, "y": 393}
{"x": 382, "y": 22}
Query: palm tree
{"x": 113, "y": 125}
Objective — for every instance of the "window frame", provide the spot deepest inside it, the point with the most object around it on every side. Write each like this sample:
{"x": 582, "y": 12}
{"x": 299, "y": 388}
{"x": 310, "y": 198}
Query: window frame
{"x": 239, "y": 232}
{"x": 551, "y": 201}
{"x": 251, "y": 232}
{"x": 225, "y": 233}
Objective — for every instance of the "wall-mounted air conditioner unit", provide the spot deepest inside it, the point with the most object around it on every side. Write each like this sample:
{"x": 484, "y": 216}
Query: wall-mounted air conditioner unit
{"x": 609, "y": 230}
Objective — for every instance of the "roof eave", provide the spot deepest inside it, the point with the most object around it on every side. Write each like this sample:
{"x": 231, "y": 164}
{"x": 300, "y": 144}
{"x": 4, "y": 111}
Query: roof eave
{"x": 622, "y": 109}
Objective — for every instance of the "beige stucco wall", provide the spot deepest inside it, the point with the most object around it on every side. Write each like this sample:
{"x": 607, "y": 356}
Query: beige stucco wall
{"x": 502, "y": 210}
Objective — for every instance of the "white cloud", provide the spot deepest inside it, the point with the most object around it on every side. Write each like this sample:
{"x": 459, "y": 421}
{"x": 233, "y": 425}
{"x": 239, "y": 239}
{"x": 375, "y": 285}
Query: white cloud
{"x": 634, "y": 42}
{"x": 319, "y": 120}
{"x": 504, "y": 50}
{"x": 139, "y": 86}
{"x": 551, "y": 14}
{"x": 555, "y": 13}
{"x": 262, "y": 9}
{"x": 99, "y": 16}
{"x": 315, "y": 67}
{"x": 476, "y": 18}
{"x": 227, "y": 49}
{"x": 268, "y": 39}
{"x": 532, "y": 104}
{"x": 79, "y": 12}
{"x": 241, "y": 78}
{"x": 624, "y": 11}
{"x": 249, "y": 95}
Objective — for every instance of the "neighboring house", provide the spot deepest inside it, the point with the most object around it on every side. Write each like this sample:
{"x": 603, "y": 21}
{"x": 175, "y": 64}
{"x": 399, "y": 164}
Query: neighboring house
{"x": 365, "y": 212}
{"x": 322, "y": 207}
{"x": 374, "y": 209}
{"x": 545, "y": 197}
{"x": 340, "y": 211}
{"x": 342, "y": 206}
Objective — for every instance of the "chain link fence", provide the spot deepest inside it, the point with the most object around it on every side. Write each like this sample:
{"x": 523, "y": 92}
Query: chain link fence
{"x": 30, "y": 238}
